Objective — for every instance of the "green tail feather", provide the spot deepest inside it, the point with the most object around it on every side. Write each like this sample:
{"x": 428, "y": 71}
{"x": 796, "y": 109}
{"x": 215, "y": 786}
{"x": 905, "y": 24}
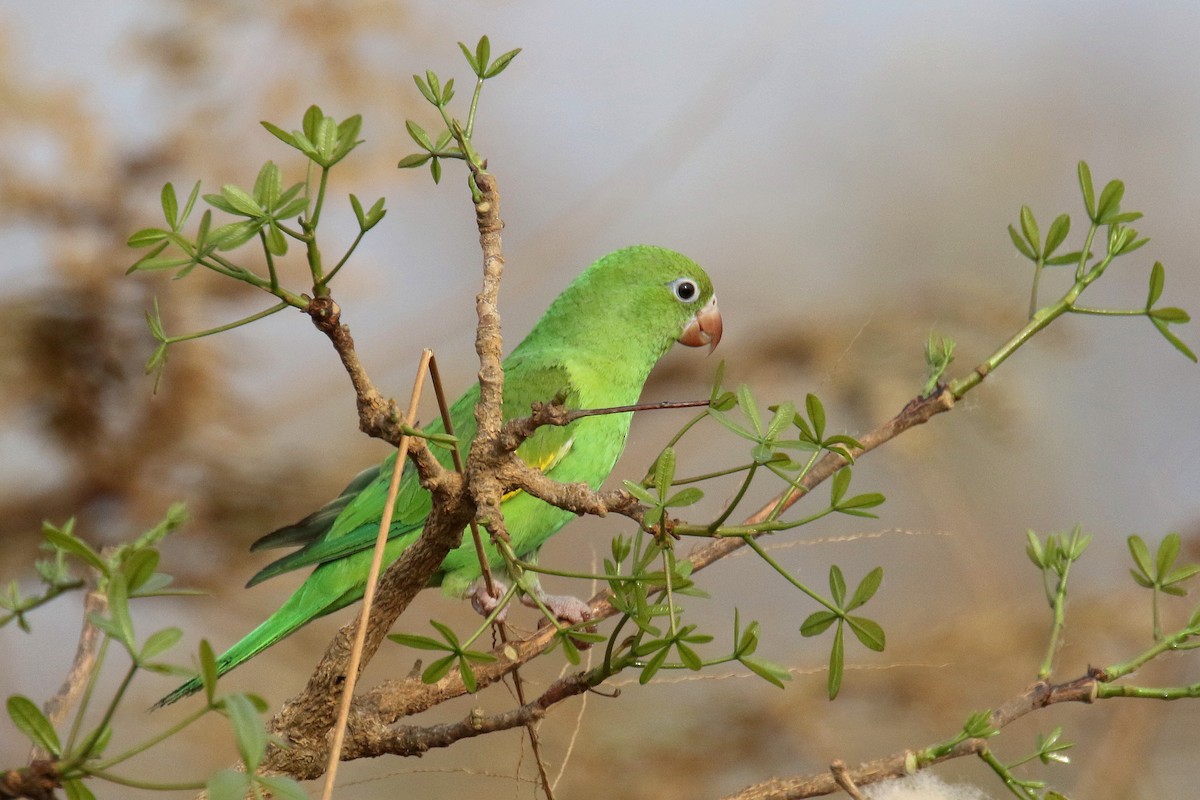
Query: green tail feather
{"x": 297, "y": 612}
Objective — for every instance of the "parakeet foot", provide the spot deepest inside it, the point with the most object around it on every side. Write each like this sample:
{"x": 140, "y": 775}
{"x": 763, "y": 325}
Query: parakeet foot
{"x": 566, "y": 609}
{"x": 484, "y": 603}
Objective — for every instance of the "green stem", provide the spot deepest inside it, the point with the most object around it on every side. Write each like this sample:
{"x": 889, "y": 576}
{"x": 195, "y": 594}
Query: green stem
{"x": 151, "y": 742}
{"x": 84, "y": 701}
{"x": 749, "y": 530}
{"x": 1056, "y": 628}
{"x": 709, "y": 475}
{"x": 1038, "y": 265}
{"x": 325, "y": 281}
{"x": 490, "y": 618}
{"x": 474, "y": 105}
{"x": 1176, "y": 641}
{"x": 775, "y": 565}
{"x": 52, "y": 592}
{"x": 274, "y": 278}
{"x": 1081, "y": 269}
{"x": 1002, "y": 771}
{"x": 1109, "y": 312}
{"x": 794, "y": 487}
{"x": 228, "y": 326}
{"x": 1108, "y": 690}
{"x": 80, "y": 758}
{"x": 148, "y": 785}
{"x": 311, "y": 223}
{"x": 668, "y": 569}
{"x": 737, "y": 498}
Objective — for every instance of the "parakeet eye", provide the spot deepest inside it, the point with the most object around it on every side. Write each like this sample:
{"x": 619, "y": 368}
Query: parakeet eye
{"x": 685, "y": 290}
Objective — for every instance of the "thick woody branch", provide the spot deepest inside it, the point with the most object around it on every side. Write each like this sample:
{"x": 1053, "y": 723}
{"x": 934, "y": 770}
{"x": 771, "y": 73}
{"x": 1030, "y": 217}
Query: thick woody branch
{"x": 370, "y": 737}
{"x": 378, "y": 416}
{"x": 305, "y": 721}
{"x": 484, "y": 455}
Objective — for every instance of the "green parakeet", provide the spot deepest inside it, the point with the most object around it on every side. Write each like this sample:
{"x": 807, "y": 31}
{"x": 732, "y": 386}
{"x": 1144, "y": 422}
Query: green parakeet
{"x": 595, "y": 347}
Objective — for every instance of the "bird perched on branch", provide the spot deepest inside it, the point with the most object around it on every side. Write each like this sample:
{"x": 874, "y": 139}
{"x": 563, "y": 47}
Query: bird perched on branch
{"x": 594, "y": 348}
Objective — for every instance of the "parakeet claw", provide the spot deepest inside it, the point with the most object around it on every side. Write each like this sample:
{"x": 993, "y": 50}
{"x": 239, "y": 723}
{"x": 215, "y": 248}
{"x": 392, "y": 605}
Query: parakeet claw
{"x": 484, "y": 603}
{"x": 565, "y": 608}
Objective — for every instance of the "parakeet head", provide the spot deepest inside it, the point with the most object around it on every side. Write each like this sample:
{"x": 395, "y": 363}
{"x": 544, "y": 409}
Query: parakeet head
{"x": 634, "y": 304}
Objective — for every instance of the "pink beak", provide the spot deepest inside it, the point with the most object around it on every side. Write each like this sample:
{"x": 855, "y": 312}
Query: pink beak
{"x": 704, "y": 328}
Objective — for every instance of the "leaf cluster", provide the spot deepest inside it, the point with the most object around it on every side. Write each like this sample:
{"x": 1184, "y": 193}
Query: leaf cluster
{"x": 121, "y": 574}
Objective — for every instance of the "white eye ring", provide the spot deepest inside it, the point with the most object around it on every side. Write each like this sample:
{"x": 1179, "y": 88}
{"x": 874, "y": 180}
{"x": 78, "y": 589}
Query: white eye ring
{"x": 685, "y": 290}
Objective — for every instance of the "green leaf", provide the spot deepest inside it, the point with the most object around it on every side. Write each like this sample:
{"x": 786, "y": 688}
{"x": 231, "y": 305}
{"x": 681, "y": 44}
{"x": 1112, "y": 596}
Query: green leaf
{"x": 749, "y": 407}
{"x": 248, "y": 730}
{"x": 426, "y": 92}
{"x": 866, "y": 588}
{"x": 1089, "y": 194}
{"x": 274, "y": 239}
{"x": 483, "y": 53}
{"x": 639, "y": 491}
{"x": 1020, "y": 244}
{"x": 279, "y": 133}
{"x": 447, "y": 92}
{"x": 228, "y": 784}
{"x": 868, "y": 632}
{"x": 1158, "y": 279}
{"x": 268, "y": 185}
{"x": 77, "y": 790}
{"x": 466, "y": 51}
{"x": 160, "y": 642}
{"x": 816, "y": 413}
{"x": 1175, "y": 341}
{"x": 30, "y": 720}
{"x": 501, "y": 63}
{"x": 283, "y": 787}
{"x": 1168, "y": 551}
{"x": 1030, "y": 229}
{"x": 65, "y": 541}
{"x": 326, "y": 140}
{"x": 435, "y": 169}
{"x": 767, "y": 670}
{"x": 170, "y": 205}
{"x": 1033, "y": 549}
{"x": 414, "y": 160}
{"x": 854, "y": 506}
{"x": 418, "y": 135}
{"x": 685, "y": 497}
{"x": 817, "y": 623}
{"x": 1110, "y": 202}
{"x": 1170, "y": 314}
{"x": 664, "y": 470}
{"x": 468, "y": 675}
{"x": 837, "y": 662}
{"x": 347, "y": 136}
{"x": 837, "y": 585}
{"x": 118, "y": 606}
{"x": 235, "y": 234}
{"x": 653, "y": 666}
{"x": 208, "y": 669}
{"x": 1057, "y": 233}
{"x": 138, "y": 566}
{"x": 1141, "y": 554}
{"x": 145, "y": 238}
{"x": 1066, "y": 258}
{"x": 418, "y": 642}
{"x": 839, "y": 485}
{"x": 240, "y": 202}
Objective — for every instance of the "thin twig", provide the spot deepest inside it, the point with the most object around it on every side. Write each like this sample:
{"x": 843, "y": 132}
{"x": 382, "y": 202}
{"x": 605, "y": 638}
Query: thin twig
{"x": 385, "y": 523}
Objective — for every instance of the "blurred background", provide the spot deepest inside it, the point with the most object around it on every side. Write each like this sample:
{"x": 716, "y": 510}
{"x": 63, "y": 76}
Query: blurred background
{"x": 845, "y": 172}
